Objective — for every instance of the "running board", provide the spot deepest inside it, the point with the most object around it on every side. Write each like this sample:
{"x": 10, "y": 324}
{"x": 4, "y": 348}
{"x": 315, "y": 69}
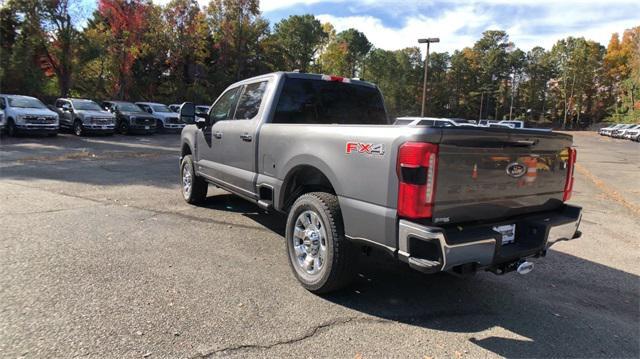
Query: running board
{"x": 265, "y": 205}
{"x": 424, "y": 265}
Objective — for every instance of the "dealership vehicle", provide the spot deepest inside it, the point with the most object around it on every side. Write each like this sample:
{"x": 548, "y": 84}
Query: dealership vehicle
{"x": 202, "y": 111}
{"x": 513, "y": 124}
{"x": 322, "y": 150}
{"x": 619, "y": 132}
{"x": 430, "y": 121}
{"x": 633, "y": 134}
{"x": 83, "y": 116}
{"x": 25, "y": 114}
{"x": 166, "y": 119}
{"x": 606, "y": 131}
{"x": 130, "y": 118}
{"x": 622, "y": 131}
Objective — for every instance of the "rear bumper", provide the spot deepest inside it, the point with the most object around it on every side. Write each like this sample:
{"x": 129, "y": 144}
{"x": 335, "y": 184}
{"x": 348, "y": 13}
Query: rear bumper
{"x": 434, "y": 249}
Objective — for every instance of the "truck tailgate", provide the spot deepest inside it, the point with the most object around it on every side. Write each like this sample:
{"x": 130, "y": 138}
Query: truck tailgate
{"x": 488, "y": 174}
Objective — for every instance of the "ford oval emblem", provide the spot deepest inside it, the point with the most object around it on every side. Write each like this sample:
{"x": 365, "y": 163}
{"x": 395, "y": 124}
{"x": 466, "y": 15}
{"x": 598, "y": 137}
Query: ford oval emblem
{"x": 516, "y": 170}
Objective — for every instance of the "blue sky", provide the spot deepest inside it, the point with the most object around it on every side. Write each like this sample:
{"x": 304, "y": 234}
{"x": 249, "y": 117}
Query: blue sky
{"x": 397, "y": 24}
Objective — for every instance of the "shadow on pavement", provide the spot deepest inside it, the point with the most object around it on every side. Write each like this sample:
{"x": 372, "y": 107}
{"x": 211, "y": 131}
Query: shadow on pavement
{"x": 568, "y": 306}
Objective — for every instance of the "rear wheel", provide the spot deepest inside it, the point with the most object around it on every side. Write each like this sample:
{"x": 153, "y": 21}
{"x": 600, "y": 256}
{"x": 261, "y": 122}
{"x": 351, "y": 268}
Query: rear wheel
{"x": 319, "y": 254}
{"x": 194, "y": 188}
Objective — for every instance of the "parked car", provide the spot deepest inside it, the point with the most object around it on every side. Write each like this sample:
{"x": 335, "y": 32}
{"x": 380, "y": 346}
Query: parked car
{"x": 25, "y": 114}
{"x": 429, "y": 121}
{"x": 513, "y": 123}
{"x": 84, "y": 116}
{"x": 486, "y": 123}
{"x": 633, "y": 134}
{"x": 175, "y": 107}
{"x": 202, "y": 111}
{"x": 619, "y": 132}
{"x": 606, "y": 131}
{"x": 130, "y": 118}
{"x": 321, "y": 150}
{"x": 622, "y": 131}
{"x": 166, "y": 120}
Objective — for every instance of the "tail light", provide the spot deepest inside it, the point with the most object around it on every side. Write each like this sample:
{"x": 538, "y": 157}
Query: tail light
{"x": 568, "y": 185}
{"x": 417, "y": 167}
{"x": 336, "y": 78}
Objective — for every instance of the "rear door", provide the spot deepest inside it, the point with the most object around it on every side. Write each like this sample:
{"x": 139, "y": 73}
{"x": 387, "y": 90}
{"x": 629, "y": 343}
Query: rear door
{"x": 236, "y": 159}
{"x": 486, "y": 173}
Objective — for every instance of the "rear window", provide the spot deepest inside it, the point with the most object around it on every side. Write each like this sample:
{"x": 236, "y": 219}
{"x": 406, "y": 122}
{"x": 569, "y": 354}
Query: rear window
{"x": 329, "y": 102}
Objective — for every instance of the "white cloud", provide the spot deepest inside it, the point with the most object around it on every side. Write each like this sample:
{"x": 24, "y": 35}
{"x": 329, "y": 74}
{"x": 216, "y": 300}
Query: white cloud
{"x": 535, "y": 23}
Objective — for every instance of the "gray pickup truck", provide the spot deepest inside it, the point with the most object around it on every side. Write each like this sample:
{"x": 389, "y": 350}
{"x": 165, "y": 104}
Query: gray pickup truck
{"x": 322, "y": 150}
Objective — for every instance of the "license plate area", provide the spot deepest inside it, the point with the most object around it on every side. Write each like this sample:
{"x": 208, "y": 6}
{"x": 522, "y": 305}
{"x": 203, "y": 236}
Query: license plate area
{"x": 508, "y": 232}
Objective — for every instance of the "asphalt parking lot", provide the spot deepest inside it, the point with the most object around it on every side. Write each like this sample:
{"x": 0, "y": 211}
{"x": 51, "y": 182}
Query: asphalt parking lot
{"x": 102, "y": 258}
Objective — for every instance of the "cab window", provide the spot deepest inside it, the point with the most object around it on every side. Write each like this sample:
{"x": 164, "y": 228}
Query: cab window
{"x": 249, "y": 102}
{"x": 223, "y": 108}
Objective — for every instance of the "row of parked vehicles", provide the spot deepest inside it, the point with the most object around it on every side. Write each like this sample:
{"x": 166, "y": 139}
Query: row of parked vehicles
{"x": 25, "y": 114}
{"x": 630, "y": 131}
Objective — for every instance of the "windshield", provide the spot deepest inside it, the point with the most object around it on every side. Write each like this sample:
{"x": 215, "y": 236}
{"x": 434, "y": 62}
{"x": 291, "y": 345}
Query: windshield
{"x": 26, "y": 102}
{"x": 86, "y": 105}
{"x": 128, "y": 107}
{"x": 160, "y": 108}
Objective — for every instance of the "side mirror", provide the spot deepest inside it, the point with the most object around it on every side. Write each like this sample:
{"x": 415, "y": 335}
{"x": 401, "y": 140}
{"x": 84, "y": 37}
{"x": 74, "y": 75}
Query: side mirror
{"x": 188, "y": 113}
{"x": 2, "y": 106}
{"x": 66, "y": 108}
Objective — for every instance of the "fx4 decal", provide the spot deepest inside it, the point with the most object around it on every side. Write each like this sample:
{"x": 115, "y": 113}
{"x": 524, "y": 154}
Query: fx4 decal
{"x": 365, "y": 148}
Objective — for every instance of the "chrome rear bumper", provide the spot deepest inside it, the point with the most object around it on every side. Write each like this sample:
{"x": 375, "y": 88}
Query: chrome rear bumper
{"x": 428, "y": 249}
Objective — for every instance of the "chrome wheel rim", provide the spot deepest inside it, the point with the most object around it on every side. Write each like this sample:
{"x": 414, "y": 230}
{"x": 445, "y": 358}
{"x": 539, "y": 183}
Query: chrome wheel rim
{"x": 309, "y": 243}
{"x": 78, "y": 129}
{"x": 187, "y": 181}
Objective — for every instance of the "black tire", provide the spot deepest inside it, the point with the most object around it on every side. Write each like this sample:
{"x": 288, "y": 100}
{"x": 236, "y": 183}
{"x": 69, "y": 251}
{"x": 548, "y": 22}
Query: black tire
{"x": 124, "y": 127}
{"x": 12, "y": 131}
{"x": 337, "y": 270}
{"x": 197, "y": 191}
{"x": 159, "y": 126}
{"x": 78, "y": 130}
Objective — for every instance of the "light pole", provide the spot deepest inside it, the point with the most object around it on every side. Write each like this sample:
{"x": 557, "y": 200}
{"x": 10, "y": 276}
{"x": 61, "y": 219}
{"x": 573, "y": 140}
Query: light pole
{"x": 427, "y": 41}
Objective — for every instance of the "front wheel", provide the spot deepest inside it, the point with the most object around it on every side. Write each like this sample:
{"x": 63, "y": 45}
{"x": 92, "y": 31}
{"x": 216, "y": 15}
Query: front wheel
{"x": 77, "y": 128}
{"x": 124, "y": 127}
{"x": 12, "y": 131}
{"x": 319, "y": 254}
{"x": 194, "y": 188}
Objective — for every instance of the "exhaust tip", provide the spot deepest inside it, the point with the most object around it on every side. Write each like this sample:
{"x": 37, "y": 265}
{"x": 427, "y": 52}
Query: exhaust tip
{"x": 525, "y": 268}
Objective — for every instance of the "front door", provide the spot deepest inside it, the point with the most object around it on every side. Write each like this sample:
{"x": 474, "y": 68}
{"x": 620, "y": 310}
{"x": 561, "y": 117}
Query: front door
{"x": 209, "y": 139}
{"x": 237, "y": 158}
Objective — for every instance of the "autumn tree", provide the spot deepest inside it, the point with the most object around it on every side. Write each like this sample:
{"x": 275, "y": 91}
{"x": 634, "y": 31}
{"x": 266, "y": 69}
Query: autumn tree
{"x": 126, "y": 20}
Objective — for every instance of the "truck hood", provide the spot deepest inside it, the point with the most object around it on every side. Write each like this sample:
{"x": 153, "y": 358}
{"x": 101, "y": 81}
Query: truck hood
{"x": 136, "y": 113}
{"x": 164, "y": 115}
{"x": 89, "y": 113}
{"x": 33, "y": 111}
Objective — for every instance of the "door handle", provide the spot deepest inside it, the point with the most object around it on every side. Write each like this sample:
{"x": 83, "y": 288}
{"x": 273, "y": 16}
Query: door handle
{"x": 217, "y": 134}
{"x": 246, "y": 137}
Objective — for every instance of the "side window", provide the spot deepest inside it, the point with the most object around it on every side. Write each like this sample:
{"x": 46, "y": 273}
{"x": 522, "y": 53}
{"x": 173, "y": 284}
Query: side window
{"x": 426, "y": 123}
{"x": 249, "y": 102}
{"x": 2, "y": 103}
{"x": 59, "y": 104}
{"x": 223, "y": 109}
